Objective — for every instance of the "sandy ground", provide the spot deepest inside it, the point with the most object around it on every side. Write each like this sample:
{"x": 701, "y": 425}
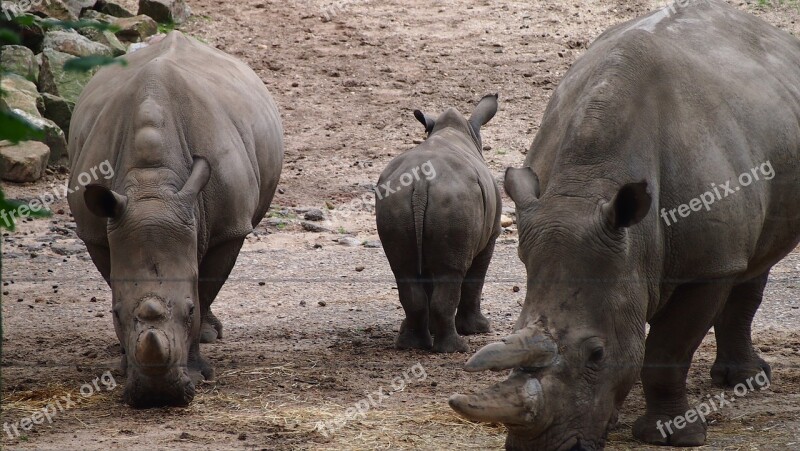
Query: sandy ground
{"x": 310, "y": 322}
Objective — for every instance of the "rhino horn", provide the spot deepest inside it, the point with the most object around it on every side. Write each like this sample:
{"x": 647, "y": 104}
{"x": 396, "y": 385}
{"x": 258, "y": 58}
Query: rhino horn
{"x": 152, "y": 349}
{"x": 516, "y": 400}
{"x": 524, "y": 349}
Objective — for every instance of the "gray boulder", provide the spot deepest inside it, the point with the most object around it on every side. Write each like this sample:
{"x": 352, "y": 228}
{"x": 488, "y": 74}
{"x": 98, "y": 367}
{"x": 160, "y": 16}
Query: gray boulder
{"x": 91, "y": 14}
{"x": 23, "y": 162}
{"x": 58, "y": 110}
{"x": 55, "y": 9}
{"x": 20, "y": 94}
{"x": 74, "y": 44}
{"x": 114, "y": 9}
{"x": 77, "y": 7}
{"x": 165, "y": 11}
{"x": 19, "y": 60}
{"x": 106, "y": 38}
{"x": 136, "y": 29}
{"x": 55, "y": 80}
{"x": 53, "y": 137}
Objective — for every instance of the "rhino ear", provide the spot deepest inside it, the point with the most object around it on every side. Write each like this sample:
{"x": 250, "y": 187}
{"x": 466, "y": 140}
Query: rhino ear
{"x": 522, "y": 185}
{"x": 201, "y": 173}
{"x": 630, "y": 205}
{"x": 425, "y": 120}
{"x": 103, "y": 202}
{"x": 484, "y": 112}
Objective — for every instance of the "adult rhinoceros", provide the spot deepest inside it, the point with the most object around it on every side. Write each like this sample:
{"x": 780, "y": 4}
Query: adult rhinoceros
{"x": 197, "y": 146}
{"x": 662, "y": 187}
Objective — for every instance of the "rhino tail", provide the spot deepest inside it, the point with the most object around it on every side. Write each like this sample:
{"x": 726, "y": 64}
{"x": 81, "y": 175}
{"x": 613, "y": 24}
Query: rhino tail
{"x": 419, "y": 202}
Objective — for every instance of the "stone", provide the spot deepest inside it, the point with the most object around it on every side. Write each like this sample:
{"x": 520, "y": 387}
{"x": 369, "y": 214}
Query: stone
{"x": 373, "y": 244}
{"x": 68, "y": 247}
{"x": 74, "y": 43}
{"x": 98, "y": 16}
{"x": 505, "y": 221}
{"x": 58, "y": 110}
{"x": 106, "y": 38}
{"x": 349, "y": 241}
{"x": 136, "y": 29}
{"x": 312, "y": 227}
{"x": 23, "y": 162}
{"x": 314, "y": 214}
{"x": 55, "y": 9}
{"x": 77, "y": 7}
{"x": 55, "y": 80}
{"x": 165, "y": 11}
{"x": 53, "y": 137}
{"x": 19, "y": 60}
{"x": 20, "y": 94}
{"x": 113, "y": 9}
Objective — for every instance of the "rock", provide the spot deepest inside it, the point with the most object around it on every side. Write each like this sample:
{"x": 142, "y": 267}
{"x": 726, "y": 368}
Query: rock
{"x": 68, "y": 247}
{"x": 77, "y": 7}
{"x": 74, "y": 44}
{"x": 136, "y": 29}
{"x": 349, "y": 241}
{"x": 314, "y": 214}
{"x": 20, "y": 94}
{"x": 55, "y": 80}
{"x": 373, "y": 244}
{"x": 19, "y": 60}
{"x": 360, "y": 268}
{"x": 113, "y": 9}
{"x": 505, "y": 221}
{"x": 23, "y": 162}
{"x": 98, "y": 16}
{"x": 165, "y": 11}
{"x": 58, "y": 110}
{"x": 312, "y": 227}
{"x": 55, "y": 9}
{"x": 105, "y": 38}
{"x": 54, "y": 137}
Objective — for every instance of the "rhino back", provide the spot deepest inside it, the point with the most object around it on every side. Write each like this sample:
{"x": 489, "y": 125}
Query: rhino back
{"x": 679, "y": 100}
{"x": 174, "y": 100}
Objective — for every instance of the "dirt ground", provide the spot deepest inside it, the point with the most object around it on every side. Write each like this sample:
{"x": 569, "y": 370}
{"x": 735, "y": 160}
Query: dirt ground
{"x": 310, "y": 321}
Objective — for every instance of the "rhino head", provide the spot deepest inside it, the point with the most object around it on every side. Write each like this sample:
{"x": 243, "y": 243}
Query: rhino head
{"x": 579, "y": 341}
{"x": 152, "y": 236}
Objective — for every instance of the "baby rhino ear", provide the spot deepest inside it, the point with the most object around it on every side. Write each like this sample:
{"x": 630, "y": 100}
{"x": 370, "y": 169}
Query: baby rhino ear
{"x": 630, "y": 205}
{"x": 484, "y": 112}
{"x": 425, "y": 120}
{"x": 522, "y": 185}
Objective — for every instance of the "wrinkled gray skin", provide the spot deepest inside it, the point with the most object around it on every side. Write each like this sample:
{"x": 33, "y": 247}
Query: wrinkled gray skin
{"x": 439, "y": 232}
{"x": 197, "y": 146}
{"x": 654, "y": 112}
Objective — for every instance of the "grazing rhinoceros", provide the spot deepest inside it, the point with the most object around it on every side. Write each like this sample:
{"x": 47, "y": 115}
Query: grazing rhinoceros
{"x": 438, "y": 230}
{"x": 197, "y": 146}
{"x": 663, "y": 185}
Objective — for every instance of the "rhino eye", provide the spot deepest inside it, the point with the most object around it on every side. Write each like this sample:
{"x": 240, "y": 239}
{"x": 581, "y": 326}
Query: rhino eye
{"x": 597, "y": 355}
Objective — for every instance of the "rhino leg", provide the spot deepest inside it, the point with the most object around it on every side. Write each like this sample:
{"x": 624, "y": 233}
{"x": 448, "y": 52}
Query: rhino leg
{"x": 469, "y": 319}
{"x": 669, "y": 349}
{"x": 214, "y": 270}
{"x": 443, "y": 305}
{"x": 737, "y": 361}
{"x": 414, "y": 332}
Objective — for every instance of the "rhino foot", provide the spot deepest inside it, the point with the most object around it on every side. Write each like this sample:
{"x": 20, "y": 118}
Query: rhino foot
{"x": 410, "y": 339}
{"x": 211, "y": 330}
{"x": 452, "y": 343}
{"x": 662, "y": 430}
{"x": 472, "y": 324}
{"x": 199, "y": 370}
{"x": 752, "y": 373}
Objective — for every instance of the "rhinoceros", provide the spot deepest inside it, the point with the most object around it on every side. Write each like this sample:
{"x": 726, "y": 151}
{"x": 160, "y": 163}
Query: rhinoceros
{"x": 438, "y": 214}
{"x": 663, "y": 185}
{"x": 197, "y": 146}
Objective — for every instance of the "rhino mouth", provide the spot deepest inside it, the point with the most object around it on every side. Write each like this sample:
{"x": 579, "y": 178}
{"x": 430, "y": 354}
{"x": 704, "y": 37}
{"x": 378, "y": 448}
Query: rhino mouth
{"x": 172, "y": 390}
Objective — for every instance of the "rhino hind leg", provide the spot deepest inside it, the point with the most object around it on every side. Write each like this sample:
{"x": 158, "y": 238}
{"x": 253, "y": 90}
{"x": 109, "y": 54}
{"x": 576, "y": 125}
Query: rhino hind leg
{"x": 469, "y": 319}
{"x": 414, "y": 332}
{"x": 443, "y": 305}
{"x": 214, "y": 270}
{"x": 737, "y": 360}
{"x": 669, "y": 349}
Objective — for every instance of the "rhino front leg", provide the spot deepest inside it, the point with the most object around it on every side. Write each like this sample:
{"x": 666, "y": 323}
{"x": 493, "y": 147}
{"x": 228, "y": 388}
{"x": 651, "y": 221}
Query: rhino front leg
{"x": 737, "y": 361}
{"x": 214, "y": 270}
{"x": 469, "y": 319}
{"x": 675, "y": 334}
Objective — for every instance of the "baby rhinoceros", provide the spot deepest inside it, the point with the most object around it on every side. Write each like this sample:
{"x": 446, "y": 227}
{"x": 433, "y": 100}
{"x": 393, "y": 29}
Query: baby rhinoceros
{"x": 438, "y": 214}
